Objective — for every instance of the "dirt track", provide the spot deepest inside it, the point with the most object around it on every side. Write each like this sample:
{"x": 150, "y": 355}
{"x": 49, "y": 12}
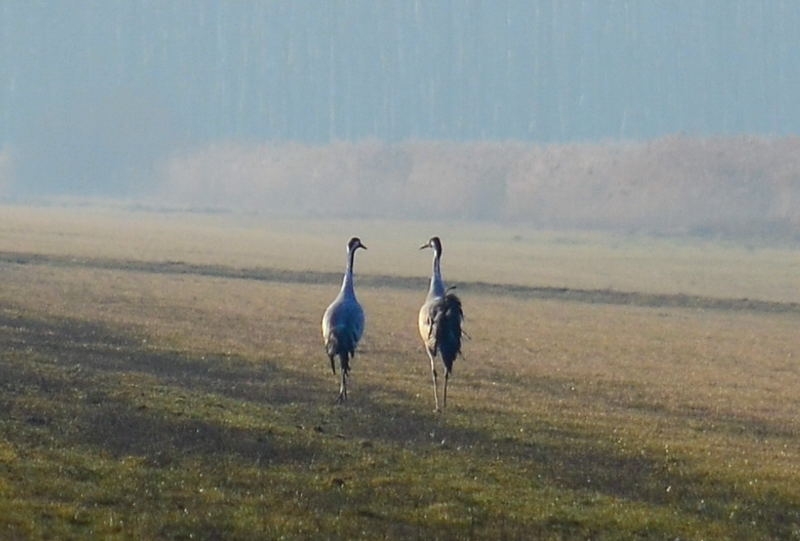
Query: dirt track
{"x": 599, "y": 296}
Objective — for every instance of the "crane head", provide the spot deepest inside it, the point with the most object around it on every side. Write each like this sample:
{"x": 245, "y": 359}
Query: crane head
{"x": 434, "y": 243}
{"x": 354, "y": 244}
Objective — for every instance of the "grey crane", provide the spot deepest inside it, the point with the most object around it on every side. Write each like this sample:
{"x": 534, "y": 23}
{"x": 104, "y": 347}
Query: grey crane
{"x": 440, "y": 322}
{"x": 343, "y": 322}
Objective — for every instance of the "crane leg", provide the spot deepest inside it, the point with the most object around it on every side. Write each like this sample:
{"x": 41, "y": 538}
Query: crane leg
{"x": 433, "y": 376}
{"x": 342, "y": 389}
{"x": 446, "y": 377}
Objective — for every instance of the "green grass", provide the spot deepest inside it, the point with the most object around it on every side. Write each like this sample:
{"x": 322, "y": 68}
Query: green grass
{"x": 156, "y": 405}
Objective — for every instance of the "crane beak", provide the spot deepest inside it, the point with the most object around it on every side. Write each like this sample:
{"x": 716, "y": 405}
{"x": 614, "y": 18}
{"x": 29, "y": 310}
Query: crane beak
{"x": 425, "y": 246}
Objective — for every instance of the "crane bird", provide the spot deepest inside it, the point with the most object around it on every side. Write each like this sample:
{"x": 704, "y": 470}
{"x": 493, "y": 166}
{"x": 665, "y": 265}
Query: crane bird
{"x": 440, "y": 322}
{"x": 343, "y": 322}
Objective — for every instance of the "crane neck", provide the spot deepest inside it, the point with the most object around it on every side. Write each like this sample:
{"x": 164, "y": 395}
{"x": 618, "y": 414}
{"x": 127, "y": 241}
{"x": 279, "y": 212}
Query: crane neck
{"x": 437, "y": 285}
{"x": 347, "y": 282}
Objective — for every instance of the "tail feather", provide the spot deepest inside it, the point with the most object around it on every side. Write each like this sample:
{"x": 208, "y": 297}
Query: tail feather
{"x": 344, "y": 361}
{"x": 446, "y": 328}
{"x": 342, "y": 344}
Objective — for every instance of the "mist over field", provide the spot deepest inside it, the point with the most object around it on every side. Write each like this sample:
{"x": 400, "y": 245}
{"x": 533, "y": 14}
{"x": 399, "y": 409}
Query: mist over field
{"x": 616, "y": 188}
{"x": 673, "y": 185}
{"x": 663, "y": 117}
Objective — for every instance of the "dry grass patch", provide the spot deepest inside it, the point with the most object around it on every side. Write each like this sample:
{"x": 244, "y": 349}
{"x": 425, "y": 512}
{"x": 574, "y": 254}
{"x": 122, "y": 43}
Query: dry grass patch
{"x": 474, "y": 252}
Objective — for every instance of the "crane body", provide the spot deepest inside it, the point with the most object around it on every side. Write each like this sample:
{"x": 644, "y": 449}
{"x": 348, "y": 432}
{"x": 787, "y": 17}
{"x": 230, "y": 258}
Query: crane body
{"x": 343, "y": 322}
{"x": 440, "y": 319}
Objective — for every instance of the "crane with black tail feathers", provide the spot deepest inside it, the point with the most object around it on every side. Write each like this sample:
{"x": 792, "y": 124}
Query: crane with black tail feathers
{"x": 343, "y": 322}
{"x": 440, "y": 322}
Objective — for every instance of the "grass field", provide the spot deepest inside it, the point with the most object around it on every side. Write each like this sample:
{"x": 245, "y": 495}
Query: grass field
{"x": 162, "y": 379}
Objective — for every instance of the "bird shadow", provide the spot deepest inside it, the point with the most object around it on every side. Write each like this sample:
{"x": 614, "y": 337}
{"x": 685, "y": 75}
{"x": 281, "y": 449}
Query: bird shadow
{"x": 77, "y": 382}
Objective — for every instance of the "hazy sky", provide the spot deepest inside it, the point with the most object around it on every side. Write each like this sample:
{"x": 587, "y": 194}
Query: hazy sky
{"x": 105, "y": 86}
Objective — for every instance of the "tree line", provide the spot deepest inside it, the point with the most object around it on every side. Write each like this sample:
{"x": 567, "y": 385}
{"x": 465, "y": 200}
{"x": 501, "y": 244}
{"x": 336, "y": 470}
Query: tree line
{"x": 672, "y": 185}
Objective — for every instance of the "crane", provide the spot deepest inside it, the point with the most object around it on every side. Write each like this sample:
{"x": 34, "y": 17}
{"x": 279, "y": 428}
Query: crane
{"x": 343, "y": 322}
{"x": 440, "y": 319}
